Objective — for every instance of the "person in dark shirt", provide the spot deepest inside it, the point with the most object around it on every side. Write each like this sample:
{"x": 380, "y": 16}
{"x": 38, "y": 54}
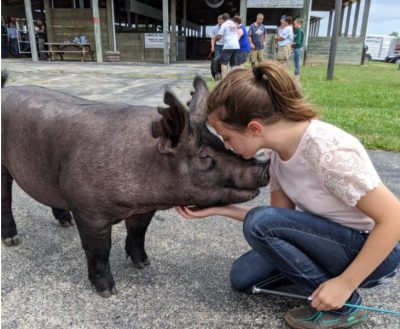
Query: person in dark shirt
{"x": 41, "y": 33}
{"x": 298, "y": 46}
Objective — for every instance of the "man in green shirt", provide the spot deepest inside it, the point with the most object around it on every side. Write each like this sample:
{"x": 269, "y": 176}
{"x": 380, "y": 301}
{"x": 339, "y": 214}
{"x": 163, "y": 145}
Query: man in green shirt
{"x": 298, "y": 46}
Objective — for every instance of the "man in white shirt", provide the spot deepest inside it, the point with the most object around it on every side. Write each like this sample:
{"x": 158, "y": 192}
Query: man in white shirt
{"x": 228, "y": 33}
{"x": 285, "y": 39}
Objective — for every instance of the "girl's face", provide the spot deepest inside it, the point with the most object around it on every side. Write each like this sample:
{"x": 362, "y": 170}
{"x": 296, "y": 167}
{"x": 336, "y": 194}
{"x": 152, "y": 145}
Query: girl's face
{"x": 240, "y": 142}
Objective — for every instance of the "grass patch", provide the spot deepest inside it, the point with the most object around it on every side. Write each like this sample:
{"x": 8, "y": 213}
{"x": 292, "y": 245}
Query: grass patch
{"x": 362, "y": 100}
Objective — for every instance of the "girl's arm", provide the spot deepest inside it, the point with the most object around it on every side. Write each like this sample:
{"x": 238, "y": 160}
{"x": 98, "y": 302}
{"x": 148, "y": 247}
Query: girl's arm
{"x": 384, "y": 208}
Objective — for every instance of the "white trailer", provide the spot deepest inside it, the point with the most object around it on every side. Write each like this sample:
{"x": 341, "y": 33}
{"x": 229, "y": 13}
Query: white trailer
{"x": 381, "y": 46}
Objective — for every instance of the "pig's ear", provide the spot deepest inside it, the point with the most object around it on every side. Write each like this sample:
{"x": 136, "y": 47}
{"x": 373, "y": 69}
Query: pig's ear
{"x": 197, "y": 104}
{"x": 174, "y": 127}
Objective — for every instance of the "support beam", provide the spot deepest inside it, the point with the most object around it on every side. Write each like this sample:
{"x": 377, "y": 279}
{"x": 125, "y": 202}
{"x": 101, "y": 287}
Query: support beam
{"x": 128, "y": 9}
{"x": 184, "y": 21}
{"x": 49, "y": 21}
{"x": 341, "y": 20}
{"x": 367, "y": 5}
{"x": 31, "y": 30}
{"x": 355, "y": 21}
{"x": 334, "y": 39}
{"x": 243, "y": 12}
{"x": 306, "y": 27}
{"x": 165, "y": 31}
{"x": 174, "y": 39}
{"x": 317, "y": 27}
{"x": 328, "y": 32}
{"x": 97, "y": 32}
{"x": 111, "y": 25}
{"x": 346, "y": 29}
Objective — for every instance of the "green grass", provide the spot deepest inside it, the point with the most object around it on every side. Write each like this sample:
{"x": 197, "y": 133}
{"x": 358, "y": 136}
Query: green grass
{"x": 362, "y": 100}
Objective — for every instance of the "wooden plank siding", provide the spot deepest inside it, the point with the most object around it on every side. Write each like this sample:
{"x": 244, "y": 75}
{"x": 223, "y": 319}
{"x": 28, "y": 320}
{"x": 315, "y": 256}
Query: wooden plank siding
{"x": 349, "y": 50}
{"x": 74, "y": 22}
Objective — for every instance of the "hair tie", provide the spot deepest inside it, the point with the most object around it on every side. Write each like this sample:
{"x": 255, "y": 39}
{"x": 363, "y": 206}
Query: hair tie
{"x": 259, "y": 74}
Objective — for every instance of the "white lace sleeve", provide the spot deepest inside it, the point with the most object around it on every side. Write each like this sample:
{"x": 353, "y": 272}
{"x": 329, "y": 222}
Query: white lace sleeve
{"x": 343, "y": 166}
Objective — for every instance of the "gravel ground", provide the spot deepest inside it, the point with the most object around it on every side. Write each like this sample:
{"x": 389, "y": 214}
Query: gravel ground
{"x": 44, "y": 279}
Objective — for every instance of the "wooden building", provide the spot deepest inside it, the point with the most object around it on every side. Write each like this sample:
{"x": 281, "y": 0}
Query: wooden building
{"x": 175, "y": 30}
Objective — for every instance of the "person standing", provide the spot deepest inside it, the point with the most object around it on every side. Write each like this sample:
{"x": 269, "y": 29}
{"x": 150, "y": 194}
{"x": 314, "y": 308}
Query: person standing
{"x": 216, "y": 48}
{"x": 41, "y": 33}
{"x": 257, "y": 37}
{"x": 285, "y": 40}
{"x": 243, "y": 42}
{"x": 13, "y": 38}
{"x": 298, "y": 46}
{"x": 229, "y": 35}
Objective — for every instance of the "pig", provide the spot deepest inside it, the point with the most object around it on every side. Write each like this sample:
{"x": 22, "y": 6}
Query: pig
{"x": 108, "y": 162}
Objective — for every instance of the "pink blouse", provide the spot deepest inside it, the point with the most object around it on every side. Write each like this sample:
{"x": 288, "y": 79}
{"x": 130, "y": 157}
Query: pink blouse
{"x": 327, "y": 175}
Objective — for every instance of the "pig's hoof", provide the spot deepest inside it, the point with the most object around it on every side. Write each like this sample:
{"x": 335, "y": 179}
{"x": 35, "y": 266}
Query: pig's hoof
{"x": 107, "y": 293}
{"x": 141, "y": 264}
{"x": 12, "y": 241}
{"x": 67, "y": 223}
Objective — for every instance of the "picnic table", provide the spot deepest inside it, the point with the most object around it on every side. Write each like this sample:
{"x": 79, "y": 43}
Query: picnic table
{"x": 61, "y": 48}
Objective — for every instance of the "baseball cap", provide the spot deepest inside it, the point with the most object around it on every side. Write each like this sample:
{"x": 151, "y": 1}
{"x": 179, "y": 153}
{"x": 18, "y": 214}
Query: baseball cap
{"x": 283, "y": 17}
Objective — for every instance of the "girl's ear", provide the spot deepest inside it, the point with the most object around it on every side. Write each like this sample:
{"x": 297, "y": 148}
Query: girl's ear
{"x": 255, "y": 127}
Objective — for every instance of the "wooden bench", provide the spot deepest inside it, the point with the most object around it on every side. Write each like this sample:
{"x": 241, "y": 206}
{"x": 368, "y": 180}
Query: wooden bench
{"x": 62, "y": 48}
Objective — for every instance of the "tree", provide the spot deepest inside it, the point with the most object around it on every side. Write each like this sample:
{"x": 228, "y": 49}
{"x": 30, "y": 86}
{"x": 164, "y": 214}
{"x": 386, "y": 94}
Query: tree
{"x": 394, "y": 34}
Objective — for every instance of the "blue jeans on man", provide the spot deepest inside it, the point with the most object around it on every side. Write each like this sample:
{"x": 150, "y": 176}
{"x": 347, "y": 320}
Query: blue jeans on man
{"x": 297, "y": 53}
{"x": 291, "y": 246}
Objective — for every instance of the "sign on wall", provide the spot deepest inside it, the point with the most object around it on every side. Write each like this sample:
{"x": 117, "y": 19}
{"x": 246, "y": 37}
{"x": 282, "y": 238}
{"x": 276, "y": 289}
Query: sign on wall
{"x": 154, "y": 40}
{"x": 275, "y": 3}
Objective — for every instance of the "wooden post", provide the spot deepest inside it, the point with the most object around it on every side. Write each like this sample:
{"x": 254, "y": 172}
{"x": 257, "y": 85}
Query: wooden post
{"x": 165, "y": 31}
{"x": 184, "y": 17}
{"x": 317, "y": 27}
{"x": 346, "y": 29}
{"x": 328, "y": 33}
{"x": 110, "y": 25}
{"x": 97, "y": 32}
{"x": 243, "y": 12}
{"x": 355, "y": 21}
{"x": 49, "y": 21}
{"x": 306, "y": 27}
{"x": 174, "y": 40}
{"x": 81, "y": 4}
{"x": 335, "y": 33}
{"x": 367, "y": 5}
{"x": 31, "y": 30}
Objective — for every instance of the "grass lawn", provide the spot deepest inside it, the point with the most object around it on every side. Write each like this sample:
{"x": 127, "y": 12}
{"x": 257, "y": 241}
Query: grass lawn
{"x": 363, "y": 100}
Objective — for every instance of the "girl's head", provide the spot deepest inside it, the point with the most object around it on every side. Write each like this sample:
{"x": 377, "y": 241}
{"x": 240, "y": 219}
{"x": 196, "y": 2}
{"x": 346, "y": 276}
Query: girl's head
{"x": 267, "y": 94}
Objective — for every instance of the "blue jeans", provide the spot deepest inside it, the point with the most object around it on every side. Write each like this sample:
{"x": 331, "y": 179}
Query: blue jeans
{"x": 290, "y": 246}
{"x": 297, "y": 60}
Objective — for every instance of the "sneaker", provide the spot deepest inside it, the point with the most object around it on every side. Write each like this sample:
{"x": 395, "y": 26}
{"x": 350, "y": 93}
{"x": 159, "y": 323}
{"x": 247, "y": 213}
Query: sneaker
{"x": 309, "y": 318}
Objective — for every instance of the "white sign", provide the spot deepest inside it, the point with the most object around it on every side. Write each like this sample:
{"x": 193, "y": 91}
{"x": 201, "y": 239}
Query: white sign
{"x": 275, "y": 3}
{"x": 154, "y": 40}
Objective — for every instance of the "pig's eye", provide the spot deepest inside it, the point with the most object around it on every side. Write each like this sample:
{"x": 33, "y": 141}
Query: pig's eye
{"x": 206, "y": 162}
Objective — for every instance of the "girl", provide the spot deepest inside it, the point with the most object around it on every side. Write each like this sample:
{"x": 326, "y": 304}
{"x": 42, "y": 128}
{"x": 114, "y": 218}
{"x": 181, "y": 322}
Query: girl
{"x": 332, "y": 226}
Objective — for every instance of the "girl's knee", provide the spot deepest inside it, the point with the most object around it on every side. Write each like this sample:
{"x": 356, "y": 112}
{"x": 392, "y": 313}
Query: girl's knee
{"x": 237, "y": 277}
{"x": 260, "y": 218}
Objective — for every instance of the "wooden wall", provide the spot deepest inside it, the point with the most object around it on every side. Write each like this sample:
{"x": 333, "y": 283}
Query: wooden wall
{"x": 70, "y": 23}
{"x": 349, "y": 50}
{"x": 131, "y": 47}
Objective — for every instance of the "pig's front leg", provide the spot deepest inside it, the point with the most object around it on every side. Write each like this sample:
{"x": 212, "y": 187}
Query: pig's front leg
{"x": 136, "y": 227}
{"x": 95, "y": 233}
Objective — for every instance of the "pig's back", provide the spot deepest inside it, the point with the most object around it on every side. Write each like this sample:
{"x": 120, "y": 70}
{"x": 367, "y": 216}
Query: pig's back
{"x": 43, "y": 129}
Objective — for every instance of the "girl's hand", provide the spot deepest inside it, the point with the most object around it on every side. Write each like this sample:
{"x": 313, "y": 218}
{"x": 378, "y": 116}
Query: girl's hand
{"x": 331, "y": 295}
{"x": 191, "y": 213}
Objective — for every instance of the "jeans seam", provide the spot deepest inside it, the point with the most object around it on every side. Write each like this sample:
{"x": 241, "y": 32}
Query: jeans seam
{"x": 311, "y": 234}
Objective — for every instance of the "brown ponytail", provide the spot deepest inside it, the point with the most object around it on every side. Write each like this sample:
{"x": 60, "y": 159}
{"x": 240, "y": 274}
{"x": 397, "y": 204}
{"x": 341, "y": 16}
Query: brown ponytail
{"x": 267, "y": 93}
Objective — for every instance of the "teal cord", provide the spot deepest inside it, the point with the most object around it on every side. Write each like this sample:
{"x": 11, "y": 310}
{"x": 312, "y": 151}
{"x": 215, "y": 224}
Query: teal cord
{"x": 256, "y": 290}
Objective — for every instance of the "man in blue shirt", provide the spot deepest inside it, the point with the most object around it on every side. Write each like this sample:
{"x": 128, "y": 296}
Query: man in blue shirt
{"x": 257, "y": 37}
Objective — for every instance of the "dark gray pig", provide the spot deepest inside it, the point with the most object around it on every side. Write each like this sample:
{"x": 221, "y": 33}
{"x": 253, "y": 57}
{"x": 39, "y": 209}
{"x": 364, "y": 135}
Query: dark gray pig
{"x": 108, "y": 162}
